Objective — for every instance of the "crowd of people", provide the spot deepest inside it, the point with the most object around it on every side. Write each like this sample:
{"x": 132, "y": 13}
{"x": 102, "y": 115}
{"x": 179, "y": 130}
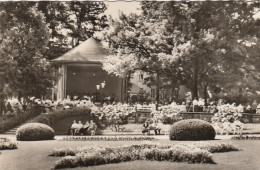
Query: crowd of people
{"x": 14, "y": 107}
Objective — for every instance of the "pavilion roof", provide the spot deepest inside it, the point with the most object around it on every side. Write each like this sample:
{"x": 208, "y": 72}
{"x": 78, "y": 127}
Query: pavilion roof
{"x": 90, "y": 51}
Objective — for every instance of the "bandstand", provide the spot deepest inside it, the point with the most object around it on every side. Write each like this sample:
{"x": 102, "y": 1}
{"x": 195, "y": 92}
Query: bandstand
{"x": 81, "y": 74}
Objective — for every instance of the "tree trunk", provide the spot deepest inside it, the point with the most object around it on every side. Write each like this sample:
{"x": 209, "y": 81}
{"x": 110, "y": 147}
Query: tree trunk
{"x": 195, "y": 78}
{"x": 205, "y": 94}
{"x": 157, "y": 90}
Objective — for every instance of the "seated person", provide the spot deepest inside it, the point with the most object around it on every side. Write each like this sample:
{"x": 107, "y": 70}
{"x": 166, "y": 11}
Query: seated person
{"x": 84, "y": 128}
{"x": 92, "y": 128}
{"x": 79, "y": 126}
{"x": 146, "y": 128}
{"x": 73, "y": 127}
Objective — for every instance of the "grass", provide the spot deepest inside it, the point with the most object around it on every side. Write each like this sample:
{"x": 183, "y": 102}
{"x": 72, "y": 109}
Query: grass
{"x": 30, "y": 156}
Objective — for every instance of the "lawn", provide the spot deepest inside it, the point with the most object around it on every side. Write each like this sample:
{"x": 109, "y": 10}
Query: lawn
{"x": 34, "y": 155}
{"x": 136, "y": 129}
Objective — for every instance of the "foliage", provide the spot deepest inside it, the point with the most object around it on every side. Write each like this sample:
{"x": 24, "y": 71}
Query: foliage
{"x": 100, "y": 138}
{"x": 170, "y": 120}
{"x": 217, "y": 147}
{"x": 195, "y": 43}
{"x": 55, "y": 116}
{"x": 63, "y": 152}
{"x": 227, "y": 113}
{"x": 5, "y": 143}
{"x": 34, "y": 132}
{"x": 98, "y": 156}
{"x": 8, "y": 122}
{"x": 242, "y": 137}
{"x": 170, "y": 114}
{"x": 71, "y": 23}
{"x": 90, "y": 156}
{"x": 24, "y": 36}
{"x": 192, "y": 129}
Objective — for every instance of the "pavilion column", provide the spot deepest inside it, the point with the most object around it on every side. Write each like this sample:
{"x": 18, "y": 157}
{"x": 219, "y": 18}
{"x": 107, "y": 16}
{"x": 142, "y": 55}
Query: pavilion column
{"x": 62, "y": 82}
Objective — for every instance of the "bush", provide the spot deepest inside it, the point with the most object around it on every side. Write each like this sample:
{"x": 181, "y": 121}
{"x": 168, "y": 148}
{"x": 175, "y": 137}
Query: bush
{"x": 61, "y": 120}
{"x": 5, "y": 143}
{"x": 9, "y": 122}
{"x": 34, "y": 131}
{"x": 55, "y": 116}
{"x": 192, "y": 129}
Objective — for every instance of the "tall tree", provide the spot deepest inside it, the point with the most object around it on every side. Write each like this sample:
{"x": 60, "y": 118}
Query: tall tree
{"x": 212, "y": 37}
{"x": 71, "y": 23}
{"x": 192, "y": 42}
{"x": 23, "y": 40}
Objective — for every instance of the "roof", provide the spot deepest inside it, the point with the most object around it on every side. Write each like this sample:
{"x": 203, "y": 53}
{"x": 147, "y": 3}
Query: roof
{"x": 90, "y": 51}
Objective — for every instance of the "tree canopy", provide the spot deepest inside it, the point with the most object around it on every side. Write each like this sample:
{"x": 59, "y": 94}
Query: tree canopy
{"x": 71, "y": 23}
{"x": 24, "y": 37}
{"x": 192, "y": 43}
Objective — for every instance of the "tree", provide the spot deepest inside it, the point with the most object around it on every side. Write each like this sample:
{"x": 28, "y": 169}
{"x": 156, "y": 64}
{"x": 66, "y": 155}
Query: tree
{"x": 135, "y": 47}
{"x": 71, "y": 23}
{"x": 24, "y": 37}
{"x": 212, "y": 37}
{"x": 192, "y": 43}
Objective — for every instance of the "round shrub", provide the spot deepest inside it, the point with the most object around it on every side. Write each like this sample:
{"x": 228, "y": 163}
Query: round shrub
{"x": 34, "y": 131}
{"x": 192, "y": 129}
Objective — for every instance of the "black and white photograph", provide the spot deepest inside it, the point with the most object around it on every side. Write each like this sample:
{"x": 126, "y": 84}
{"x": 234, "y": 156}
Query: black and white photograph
{"x": 130, "y": 85}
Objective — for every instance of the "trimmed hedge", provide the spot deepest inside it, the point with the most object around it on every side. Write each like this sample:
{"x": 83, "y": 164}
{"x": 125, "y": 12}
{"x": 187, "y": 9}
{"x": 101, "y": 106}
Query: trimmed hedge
{"x": 61, "y": 120}
{"x": 9, "y": 122}
{"x": 34, "y": 132}
{"x": 192, "y": 129}
{"x": 55, "y": 116}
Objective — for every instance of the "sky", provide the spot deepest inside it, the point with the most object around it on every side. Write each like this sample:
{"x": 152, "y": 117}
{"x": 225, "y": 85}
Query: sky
{"x": 113, "y": 8}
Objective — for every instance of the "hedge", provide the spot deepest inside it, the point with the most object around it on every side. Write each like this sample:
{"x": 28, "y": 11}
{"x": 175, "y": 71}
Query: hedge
{"x": 53, "y": 117}
{"x": 192, "y": 129}
{"x": 9, "y": 122}
{"x": 34, "y": 132}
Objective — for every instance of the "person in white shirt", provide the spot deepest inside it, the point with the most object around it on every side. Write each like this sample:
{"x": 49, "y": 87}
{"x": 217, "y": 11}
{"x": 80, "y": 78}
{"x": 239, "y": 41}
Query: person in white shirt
{"x": 73, "y": 127}
{"x": 78, "y": 127}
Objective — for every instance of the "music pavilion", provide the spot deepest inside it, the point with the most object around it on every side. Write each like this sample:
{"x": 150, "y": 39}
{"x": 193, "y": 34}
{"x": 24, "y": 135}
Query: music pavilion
{"x": 82, "y": 74}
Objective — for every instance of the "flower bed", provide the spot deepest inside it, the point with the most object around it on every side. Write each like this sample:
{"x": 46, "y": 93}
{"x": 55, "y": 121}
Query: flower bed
{"x": 90, "y": 156}
{"x": 245, "y": 137}
{"x": 99, "y": 138}
{"x": 5, "y": 144}
{"x": 226, "y": 113}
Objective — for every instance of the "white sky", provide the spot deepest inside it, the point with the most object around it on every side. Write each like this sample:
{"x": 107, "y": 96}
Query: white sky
{"x": 113, "y": 8}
